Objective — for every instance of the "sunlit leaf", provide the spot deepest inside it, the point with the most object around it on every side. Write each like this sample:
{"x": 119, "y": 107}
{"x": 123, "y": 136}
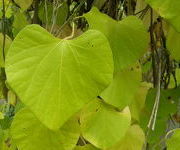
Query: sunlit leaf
{"x": 30, "y": 134}
{"x": 128, "y": 38}
{"x": 133, "y": 140}
{"x": 102, "y": 125}
{"x": 173, "y": 143}
{"x": 123, "y": 88}
{"x": 55, "y": 77}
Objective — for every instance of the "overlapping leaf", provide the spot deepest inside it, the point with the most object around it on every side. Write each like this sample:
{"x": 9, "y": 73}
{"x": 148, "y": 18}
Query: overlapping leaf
{"x": 102, "y": 125}
{"x": 123, "y": 88}
{"x": 168, "y": 9}
{"x": 128, "y": 38}
{"x": 55, "y": 77}
{"x": 29, "y": 133}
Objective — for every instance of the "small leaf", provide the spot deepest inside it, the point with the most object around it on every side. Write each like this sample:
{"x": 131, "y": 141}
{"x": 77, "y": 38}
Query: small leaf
{"x": 29, "y": 133}
{"x": 55, "y": 78}
{"x": 102, "y": 125}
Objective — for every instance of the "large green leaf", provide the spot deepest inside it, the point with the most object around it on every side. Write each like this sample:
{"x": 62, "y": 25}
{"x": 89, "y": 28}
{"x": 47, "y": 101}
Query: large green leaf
{"x": 133, "y": 140}
{"x": 128, "y": 38}
{"x": 168, "y": 9}
{"x": 173, "y": 43}
{"x": 174, "y": 142}
{"x": 123, "y": 88}
{"x": 102, "y": 125}
{"x": 29, "y": 133}
{"x": 86, "y": 147}
{"x": 24, "y": 4}
{"x": 55, "y": 77}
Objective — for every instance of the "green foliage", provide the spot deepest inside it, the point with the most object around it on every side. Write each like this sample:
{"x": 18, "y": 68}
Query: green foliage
{"x": 62, "y": 75}
{"x": 30, "y": 134}
{"x": 50, "y": 15}
{"x": 87, "y": 78}
{"x": 99, "y": 120}
{"x": 126, "y": 46}
{"x": 122, "y": 89}
{"x": 24, "y": 4}
{"x": 174, "y": 142}
{"x": 168, "y": 9}
{"x": 133, "y": 140}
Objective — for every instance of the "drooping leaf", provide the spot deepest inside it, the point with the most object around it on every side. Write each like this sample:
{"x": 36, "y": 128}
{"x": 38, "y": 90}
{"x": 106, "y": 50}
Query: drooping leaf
{"x": 123, "y": 88}
{"x": 133, "y": 140}
{"x": 55, "y": 77}
{"x": 50, "y": 16}
{"x": 168, "y": 9}
{"x": 7, "y": 45}
{"x": 174, "y": 142}
{"x": 102, "y": 125}
{"x": 128, "y": 38}
{"x": 29, "y": 133}
{"x": 24, "y": 4}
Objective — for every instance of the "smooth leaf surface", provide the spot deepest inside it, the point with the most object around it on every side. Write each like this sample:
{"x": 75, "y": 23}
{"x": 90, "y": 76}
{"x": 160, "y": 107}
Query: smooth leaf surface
{"x": 128, "y": 38}
{"x": 123, "y": 88}
{"x": 86, "y": 147}
{"x": 174, "y": 142}
{"x": 133, "y": 140}
{"x": 168, "y": 9}
{"x": 30, "y": 134}
{"x": 54, "y": 77}
{"x": 102, "y": 125}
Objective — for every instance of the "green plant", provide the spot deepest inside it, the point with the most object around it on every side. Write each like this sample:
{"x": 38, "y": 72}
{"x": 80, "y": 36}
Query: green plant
{"x": 89, "y": 75}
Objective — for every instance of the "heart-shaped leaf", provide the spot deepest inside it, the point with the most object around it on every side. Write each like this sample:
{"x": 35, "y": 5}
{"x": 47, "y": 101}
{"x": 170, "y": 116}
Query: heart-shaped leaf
{"x": 24, "y": 4}
{"x": 29, "y": 133}
{"x": 102, "y": 125}
{"x": 128, "y": 38}
{"x": 55, "y": 77}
